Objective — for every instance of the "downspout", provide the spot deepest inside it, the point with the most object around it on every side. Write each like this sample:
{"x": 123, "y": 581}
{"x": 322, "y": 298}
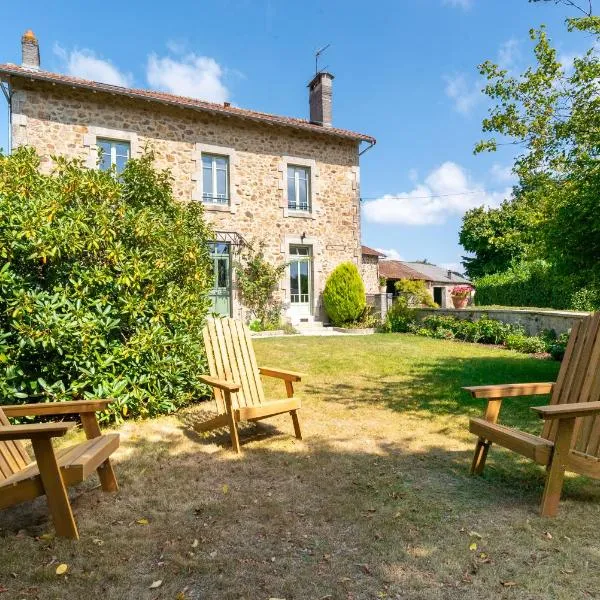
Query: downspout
{"x": 8, "y": 95}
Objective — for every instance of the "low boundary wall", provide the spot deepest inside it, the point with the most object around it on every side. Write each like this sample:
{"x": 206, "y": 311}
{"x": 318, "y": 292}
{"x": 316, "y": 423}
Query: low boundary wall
{"x": 532, "y": 321}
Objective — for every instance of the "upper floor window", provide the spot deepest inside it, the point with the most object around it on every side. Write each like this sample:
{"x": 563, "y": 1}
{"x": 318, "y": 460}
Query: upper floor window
{"x": 298, "y": 186}
{"x": 215, "y": 179}
{"x": 113, "y": 152}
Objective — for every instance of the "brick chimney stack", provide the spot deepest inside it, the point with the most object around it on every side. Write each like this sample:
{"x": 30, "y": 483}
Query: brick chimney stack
{"x": 320, "y": 92}
{"x": 30, "y": 50}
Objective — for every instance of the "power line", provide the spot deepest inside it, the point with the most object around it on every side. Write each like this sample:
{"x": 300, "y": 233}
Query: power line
{"x": 391, "y": 197}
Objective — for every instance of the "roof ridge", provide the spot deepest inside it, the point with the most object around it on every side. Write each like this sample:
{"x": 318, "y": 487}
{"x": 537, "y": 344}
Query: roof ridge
{"x": 186, "y": 101}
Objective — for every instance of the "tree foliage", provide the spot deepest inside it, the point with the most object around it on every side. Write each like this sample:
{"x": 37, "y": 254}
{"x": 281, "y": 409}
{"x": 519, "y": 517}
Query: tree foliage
{"x": 257, "y": 280}
{"x": 344, "y": 295}
{"x": 103, "y": 286}
{"x": 551, "y": 113}
{"x": 415, "y": 292}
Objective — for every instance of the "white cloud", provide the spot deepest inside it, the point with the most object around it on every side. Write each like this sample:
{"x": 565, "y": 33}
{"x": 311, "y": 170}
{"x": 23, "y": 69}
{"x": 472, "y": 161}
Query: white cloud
{"x": 390, "y": 253}
{"x": 188, "y": 75}
{"x": 447, "y": 191}
{"x": 84, "y": 63}
{"x": 509, "y": 54}
{"x": 465, "y": 95}
{"x": 464, "y": 4}
{"x": 502, "y": 174}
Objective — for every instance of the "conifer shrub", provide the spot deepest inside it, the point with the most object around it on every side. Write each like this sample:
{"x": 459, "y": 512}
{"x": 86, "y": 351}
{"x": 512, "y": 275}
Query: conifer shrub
{"x": 344, "y": 295}
{"x": 103, "y": 286}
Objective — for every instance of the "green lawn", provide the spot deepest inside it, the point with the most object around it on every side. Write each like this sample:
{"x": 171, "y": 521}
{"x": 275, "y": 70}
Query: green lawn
{"x": 376, "y": 502}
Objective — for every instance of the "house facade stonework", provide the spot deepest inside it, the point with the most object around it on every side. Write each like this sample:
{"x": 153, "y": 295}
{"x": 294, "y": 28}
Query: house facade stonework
{"x": 60, "y": 119}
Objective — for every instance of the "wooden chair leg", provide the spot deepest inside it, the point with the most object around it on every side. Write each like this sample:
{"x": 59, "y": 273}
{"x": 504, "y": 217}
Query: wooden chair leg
{"x": 480, "y": 456}
{"x": 296, "y": 422}
{"x": 106, "y": 474}
{"x": 289, "y": 388}
{"x": 555, "y": 474}
{"x": 54, "y": 487}
{"x": 233, "y": 430}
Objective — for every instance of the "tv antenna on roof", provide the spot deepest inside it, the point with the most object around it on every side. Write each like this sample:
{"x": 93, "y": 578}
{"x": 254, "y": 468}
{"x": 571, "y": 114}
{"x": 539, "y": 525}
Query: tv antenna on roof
{"x": 317, "y": 55}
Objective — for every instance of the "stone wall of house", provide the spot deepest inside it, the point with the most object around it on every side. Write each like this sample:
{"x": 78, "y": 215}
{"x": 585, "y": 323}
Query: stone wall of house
{"x": 369, "y": 270}
{"x": 60, "y": 120}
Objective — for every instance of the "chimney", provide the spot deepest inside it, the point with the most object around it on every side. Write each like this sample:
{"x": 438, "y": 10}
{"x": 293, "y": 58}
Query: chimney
{"x": 320, "y": 95}
{"x": 30, "y": 50}
{"x": 449, "y": 274}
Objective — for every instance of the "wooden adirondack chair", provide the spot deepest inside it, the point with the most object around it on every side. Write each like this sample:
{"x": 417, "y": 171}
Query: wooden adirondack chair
{"x": 235, "y": 379}
{"x": 570, "y": 439}
{"x": 51, "y": 472}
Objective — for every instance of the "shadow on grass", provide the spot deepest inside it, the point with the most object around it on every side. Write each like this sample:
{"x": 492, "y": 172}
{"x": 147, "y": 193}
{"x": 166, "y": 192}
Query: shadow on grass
{"x": 315, "y": 520}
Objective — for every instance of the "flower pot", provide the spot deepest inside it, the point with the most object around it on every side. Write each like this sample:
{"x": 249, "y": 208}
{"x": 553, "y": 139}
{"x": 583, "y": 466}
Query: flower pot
{"x": 460, "y": 301}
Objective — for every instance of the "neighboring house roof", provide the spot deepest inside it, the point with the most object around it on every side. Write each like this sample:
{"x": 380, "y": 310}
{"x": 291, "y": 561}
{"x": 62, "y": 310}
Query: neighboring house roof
{"x": 395, "y": 269}
{"x": 371, "y": 252}
{"x": 436, "y": 274}
{"x": 8, "y": 70}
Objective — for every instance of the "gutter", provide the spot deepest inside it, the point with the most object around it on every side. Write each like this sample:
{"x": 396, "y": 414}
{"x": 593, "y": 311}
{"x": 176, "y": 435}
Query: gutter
{"x": 8, "y": 95}
{"x": 371, "y": 144}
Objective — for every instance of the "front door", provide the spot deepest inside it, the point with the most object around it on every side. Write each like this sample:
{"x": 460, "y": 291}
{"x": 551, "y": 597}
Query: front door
{"x": 220, "y": 295}
{"x": 300, "y": 281}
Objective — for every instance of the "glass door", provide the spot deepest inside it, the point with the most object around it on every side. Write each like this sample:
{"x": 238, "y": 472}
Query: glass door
{"x": 220, "y": 295}
{"x": 301, "y": 280}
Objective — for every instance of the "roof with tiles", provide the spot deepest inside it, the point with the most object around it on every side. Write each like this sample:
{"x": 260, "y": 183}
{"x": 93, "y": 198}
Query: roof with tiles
{"x": 10, "y": 70}
{"x": 395, "y": 269}
{"x": 371, "y": 252}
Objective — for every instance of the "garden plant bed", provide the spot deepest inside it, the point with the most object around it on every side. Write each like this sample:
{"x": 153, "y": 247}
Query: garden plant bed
{"x": 376, "y": 502}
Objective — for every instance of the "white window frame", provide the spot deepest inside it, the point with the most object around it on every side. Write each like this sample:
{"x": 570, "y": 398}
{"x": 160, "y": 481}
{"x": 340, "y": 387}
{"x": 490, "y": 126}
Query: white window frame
{"x": 313, "y": 187}
{"x": 90, "y": 141}
{"x": 296, "y": 204}
{"x": 230, "y": 154}
{"x": 215, "y": 197}
{"x": 113, "y": 148}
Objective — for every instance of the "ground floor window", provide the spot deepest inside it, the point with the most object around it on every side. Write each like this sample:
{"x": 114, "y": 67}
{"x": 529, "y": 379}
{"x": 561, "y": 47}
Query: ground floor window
{"x": 220, "y": 295}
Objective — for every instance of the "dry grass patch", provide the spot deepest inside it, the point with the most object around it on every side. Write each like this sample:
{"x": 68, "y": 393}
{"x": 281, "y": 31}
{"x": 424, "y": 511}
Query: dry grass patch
{"x": 375, "y": 503}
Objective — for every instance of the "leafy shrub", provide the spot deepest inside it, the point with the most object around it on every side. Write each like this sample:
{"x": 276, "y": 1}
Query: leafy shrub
{"x": 399, "y": 317}
{"x": 558, "y": 346}
{"x": 103, "y": 286}
{"x": 415, "y": 291}
{"x": 527, "y": 344}
{"x": 344, "y": 295}
{"x": 257, "y": 279}
{"x": 532, "y": 283}
{"x": 585, "y": 299}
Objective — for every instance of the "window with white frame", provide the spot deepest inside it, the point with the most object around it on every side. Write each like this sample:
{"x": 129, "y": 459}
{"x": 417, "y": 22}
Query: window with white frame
{"x": 113, "y": 153}
{"x": 298, "y": 186}
{"x": 215, "y": 179}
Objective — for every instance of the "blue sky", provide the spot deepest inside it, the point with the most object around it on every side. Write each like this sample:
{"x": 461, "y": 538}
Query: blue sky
{"x": 405, "y": 72}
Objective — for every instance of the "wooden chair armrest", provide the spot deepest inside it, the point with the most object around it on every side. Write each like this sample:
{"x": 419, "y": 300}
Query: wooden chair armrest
{"x": 220, "y": 383}
{"x": 567, "y": 411}
{"x": 31, "y": 432}
{"x": 280, "y": 374}
{"x": 71, "y": 407}
{"x": 509, "y": 390}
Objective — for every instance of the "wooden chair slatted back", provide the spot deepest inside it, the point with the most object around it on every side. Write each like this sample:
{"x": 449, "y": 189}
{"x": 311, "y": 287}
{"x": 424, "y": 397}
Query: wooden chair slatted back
{"x": 231, "y": 357}
{"x": 579, "y": 381}
{"x": 13, "y": 456}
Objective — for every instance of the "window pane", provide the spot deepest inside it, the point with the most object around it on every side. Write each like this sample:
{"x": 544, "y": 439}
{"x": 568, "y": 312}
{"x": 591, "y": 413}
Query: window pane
{"x": 294, "y": 278}
{"x": 207, "y": 161}
{"x": 222, "y": 183}
{"x": 122, "y": 149}
{"x": 207, "y": 189}
{"x": 222, "y": 275}
{"x": 121, "y": 161}
{"x": 303, "y": 194}
{"x": 221, "y": 162}
{"x": 291, "y": 193}
{"x": 304, "y": 277}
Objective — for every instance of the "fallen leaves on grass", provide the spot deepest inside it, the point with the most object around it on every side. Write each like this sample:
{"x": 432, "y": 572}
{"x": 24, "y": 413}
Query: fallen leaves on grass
{"x": 142, "y": 522}
{"x": 156, "y": 584}
{"x": 62, "y": 569}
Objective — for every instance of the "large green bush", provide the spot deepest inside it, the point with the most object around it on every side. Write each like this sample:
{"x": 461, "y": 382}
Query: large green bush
{"x": 344, "y": 295}
{"x": 533, "y": 283}
{"x": 103, "y": 286}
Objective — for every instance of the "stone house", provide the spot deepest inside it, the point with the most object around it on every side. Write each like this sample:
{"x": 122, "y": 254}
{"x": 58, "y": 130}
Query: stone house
{"x": 292, "y": 184}
{"x": 439, "y": 281}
